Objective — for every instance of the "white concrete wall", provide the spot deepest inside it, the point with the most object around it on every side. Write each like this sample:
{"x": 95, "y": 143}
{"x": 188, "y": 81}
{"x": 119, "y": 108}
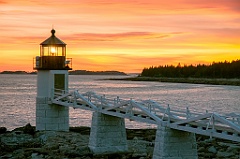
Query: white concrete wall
{"x": 45, "y": 82}
{"x": 50, "y": 116}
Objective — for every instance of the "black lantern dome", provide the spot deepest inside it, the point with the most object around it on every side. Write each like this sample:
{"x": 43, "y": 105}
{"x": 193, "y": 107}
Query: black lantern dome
{"x": 53, "y": 40}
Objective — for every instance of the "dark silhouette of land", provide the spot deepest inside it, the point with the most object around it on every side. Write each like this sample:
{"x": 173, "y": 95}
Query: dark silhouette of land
{"x": 85, "y": 72}
{"x": 225, "y": 69}
{"x": 221, "y": 73}
{"x": 218, "y": 73}
{"x": 75, "y": 72}
{"x": 17, "y": 72}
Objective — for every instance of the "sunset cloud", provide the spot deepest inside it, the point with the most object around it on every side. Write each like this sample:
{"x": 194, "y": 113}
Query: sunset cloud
{"x": 120, "y": 36}
{"x": 125, "y": 35}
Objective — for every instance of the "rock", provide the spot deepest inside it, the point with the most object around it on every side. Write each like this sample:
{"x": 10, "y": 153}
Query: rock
{"x": 45, "y": 135}
{"x": 34, "y": 155}
{"x": 201, "y": 149}
{"x": 12, "y": 141}
{"x": 221, "y": 154}
{"x": 7, "y": 156}
{"x": 212, "y": 149}
{"x": 20, "y": 153}
{"x": 84, "y": 150}
{"x": 206, "y": 155}
{"x": 138, "y": 148}
{"x": 21, "y": 143}
{"x": 28, "y": 129}
{"x": 233, "y": 148}
{"x": 83, "y": 130}
{"x": 3, "y": 130}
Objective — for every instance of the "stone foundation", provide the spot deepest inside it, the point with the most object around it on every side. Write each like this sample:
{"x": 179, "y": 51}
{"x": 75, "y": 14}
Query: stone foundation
{"x": 108, "y": 134}
{"x": 50, "y": 116}
{"x": 174, "y": 144}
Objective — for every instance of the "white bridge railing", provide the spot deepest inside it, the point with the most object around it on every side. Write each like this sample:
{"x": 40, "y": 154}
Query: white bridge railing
{"x": 210, "y": 124}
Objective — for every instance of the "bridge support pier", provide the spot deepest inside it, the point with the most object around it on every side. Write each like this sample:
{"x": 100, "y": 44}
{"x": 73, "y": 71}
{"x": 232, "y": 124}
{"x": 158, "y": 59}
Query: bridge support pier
{"x": 50, "y": 116}
{"x": 174, "y": 144}
{"x": 108, "y": 134}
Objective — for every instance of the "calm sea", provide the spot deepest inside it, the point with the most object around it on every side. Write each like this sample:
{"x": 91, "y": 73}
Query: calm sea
{"x": 18, "y": 93}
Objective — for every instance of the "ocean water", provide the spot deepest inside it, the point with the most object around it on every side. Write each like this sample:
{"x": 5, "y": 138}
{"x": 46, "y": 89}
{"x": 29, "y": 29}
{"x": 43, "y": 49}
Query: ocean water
{"x": 18, "y": 95}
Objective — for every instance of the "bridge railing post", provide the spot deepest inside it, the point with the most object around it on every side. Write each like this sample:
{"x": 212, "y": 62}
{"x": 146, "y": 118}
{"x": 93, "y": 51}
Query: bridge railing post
{"x": 154, "y": 109}
{"x": 129, "y": 109}
{"x": 102, "y": 101}
{"x": 75, "y": 98}
{"x": 89, "y": 97}
{"x": 118, "y": 100}
{"x": 211, "y": 122}
{"x": 168, "y": 112}
{"x": 151, "y": 108}
{"x": 188, "y": 114}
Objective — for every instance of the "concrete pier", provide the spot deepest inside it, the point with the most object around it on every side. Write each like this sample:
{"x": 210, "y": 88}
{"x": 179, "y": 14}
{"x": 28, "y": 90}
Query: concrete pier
{"x": 174, "y": 144}
{"x": 108, "y": 134}
{"x": 51, "y": 116}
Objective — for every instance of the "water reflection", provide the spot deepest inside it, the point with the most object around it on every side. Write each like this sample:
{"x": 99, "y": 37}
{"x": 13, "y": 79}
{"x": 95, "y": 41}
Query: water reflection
{"x": 18, "y": 93}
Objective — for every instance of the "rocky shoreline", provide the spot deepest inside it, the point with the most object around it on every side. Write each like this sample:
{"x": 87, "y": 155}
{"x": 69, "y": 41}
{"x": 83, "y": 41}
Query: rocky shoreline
{"x": 25, "y": 142}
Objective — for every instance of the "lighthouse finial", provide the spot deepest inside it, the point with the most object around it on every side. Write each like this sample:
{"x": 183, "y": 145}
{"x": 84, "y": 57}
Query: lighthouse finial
{"x": 53, "y": 32}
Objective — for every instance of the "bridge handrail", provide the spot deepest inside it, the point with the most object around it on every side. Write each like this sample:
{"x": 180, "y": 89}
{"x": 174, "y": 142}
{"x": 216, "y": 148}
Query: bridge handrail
{"x": 151, "y": 105}
{"x": 184, "y": 114}
{"x": 208, "y": 123}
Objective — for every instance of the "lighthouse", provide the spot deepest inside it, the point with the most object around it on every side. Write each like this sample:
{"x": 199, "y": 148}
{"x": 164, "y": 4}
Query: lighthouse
{"x": 52, "y": 79}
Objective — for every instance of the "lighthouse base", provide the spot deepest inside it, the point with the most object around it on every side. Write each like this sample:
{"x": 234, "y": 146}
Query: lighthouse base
{"x": 108, "y": 134}
{"x": 174, "y": 144}
{"x": 50, "y": 116}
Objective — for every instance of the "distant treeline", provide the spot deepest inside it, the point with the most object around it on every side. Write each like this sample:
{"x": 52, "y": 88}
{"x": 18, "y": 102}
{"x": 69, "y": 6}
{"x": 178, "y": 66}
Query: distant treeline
{"x": 75, "y": 72}
{"x": 214, "y": 70}
{"x": 85, "y": 72}
{"x": 17, "y": 72}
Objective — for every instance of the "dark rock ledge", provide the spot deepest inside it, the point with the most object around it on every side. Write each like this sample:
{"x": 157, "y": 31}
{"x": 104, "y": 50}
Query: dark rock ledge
{"x": 27, "y": 143}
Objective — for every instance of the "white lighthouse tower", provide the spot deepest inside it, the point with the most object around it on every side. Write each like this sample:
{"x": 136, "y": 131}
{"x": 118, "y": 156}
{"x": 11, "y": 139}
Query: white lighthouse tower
{"x": 52, "y": 77}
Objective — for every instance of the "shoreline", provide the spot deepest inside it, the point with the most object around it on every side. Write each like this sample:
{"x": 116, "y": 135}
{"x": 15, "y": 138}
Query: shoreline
{"x": 219, "y": 81}
{"x": 72, "y": 72}
{"x": 25, "y": 142}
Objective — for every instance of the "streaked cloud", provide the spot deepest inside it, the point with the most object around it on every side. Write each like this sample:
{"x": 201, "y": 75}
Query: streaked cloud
{"x": 120, "y": 36}
{"x": 125, "y": 35}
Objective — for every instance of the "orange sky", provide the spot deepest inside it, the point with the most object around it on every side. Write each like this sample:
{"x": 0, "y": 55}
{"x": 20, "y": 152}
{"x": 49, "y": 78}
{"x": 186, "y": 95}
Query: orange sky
{"x": 123, "y": 35}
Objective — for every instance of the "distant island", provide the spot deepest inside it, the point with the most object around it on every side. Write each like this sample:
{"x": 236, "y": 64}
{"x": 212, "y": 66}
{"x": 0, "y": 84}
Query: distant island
{"x": 216, "y": 70}
{"x": 85, "y": 72}
{"x": 17, "y": 72}
{"x": 75, "y": 72}
{"x": 217, "y": 73}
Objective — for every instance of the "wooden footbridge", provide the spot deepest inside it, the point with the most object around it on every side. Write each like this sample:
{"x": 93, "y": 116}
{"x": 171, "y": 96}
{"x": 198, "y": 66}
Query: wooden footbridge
{"x": 224, "y": 126}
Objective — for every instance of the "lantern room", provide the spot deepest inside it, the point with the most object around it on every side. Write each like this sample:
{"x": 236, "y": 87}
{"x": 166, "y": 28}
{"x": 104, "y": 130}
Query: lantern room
{"x": 52, "y": 55}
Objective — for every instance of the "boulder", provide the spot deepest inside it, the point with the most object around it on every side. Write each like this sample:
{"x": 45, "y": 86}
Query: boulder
{"x": 28, "y": 129}
{"x": 3, "y": 130}
{"x": 21, "y": 143}
{"x": 221, "y": 154}
{"x": 212, "y": 149}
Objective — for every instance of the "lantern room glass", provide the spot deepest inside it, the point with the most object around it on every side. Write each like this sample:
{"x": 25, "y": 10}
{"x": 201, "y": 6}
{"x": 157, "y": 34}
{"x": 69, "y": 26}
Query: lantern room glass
{"x": 52, "y": 50}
